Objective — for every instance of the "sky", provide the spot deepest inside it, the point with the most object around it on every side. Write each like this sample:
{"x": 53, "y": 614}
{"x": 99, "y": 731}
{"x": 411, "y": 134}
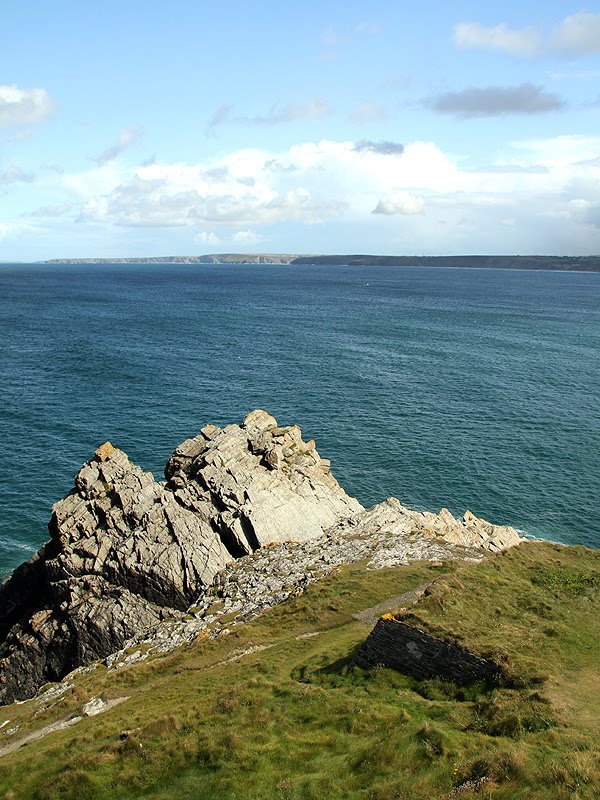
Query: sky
{"x": 399, "y": 127}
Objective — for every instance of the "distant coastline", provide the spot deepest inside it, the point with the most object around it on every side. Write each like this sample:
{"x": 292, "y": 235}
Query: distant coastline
{"x": 558, "y": 263}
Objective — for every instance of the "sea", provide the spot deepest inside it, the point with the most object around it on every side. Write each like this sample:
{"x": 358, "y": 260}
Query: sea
{"x": 462, "y": 388}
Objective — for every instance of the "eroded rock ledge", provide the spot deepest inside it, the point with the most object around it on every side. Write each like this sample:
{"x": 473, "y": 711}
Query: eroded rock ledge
{"x": 128, "y": 554}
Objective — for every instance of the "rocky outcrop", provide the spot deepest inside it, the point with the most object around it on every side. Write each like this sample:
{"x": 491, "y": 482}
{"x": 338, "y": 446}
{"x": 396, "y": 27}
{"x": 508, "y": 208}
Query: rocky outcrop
{"x": 127, "y": 552}
{"x": 264, "y": 483}
{"x": 392, "y": 643}
{"x": 250, "y": 585}
{"x": 128, "y": 555}
{"x": 470, "y": 531}
{"x": 119, "y": 523}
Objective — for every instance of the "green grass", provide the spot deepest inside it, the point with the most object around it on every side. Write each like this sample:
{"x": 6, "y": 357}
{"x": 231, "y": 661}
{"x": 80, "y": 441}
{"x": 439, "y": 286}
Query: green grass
{"x": 295, "y": 720}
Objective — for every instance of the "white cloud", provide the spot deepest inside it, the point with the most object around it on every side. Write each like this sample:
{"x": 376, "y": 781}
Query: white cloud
{"x": 14, "y": 174}
{"x": 221, "y": 115}
{"x": 333, "y": 37}
{"x": 58, "y": 210}
{"x": 10, "y": 229}
{"x": 309, "y": 183}
{"x": 314, "y": 109}
{"x": 247, "y": 237}
{"x": 400, "y": 203}
{"x": 575, "y": 36}
{"x": 23, "y": 106}
{"x": 206, "y": 237}
{"x": 93, "y": 182}
{"x": 578, "y": 35}
{"x": 124, "y": 140}
{"x": 559, "y": 151}
{"x": 523, "y": 42}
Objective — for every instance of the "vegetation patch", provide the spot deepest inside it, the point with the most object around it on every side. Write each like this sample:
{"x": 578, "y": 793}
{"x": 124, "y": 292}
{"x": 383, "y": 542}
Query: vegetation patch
{"x": 570, "y": 581}
{"x": 268, "y": 712}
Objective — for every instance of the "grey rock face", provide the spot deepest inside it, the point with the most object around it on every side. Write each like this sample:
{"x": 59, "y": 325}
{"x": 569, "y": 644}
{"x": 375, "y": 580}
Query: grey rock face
{"x": 127, "y": 552}
{"x": 264, "y": 482}
{"x": 128, "y": 555}
{"x": 121, "y": 524}
{"x": 470, "y": 531}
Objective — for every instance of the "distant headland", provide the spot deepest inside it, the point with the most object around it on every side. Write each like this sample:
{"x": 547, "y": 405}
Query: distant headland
{"x": 560, "y": 263}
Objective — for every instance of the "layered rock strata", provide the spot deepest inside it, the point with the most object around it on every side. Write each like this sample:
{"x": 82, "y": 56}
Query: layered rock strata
{"x": 262, "y": 483}
{"x": 128, "y": 555}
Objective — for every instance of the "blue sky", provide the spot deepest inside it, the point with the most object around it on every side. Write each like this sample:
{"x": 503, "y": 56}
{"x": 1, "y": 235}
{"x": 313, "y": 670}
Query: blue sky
{"x": 143, "y": 128}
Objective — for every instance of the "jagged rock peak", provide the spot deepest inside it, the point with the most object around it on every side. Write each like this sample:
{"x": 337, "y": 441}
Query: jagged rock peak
{"x": 127, "y": 552}
{"x": 265, "y": 483}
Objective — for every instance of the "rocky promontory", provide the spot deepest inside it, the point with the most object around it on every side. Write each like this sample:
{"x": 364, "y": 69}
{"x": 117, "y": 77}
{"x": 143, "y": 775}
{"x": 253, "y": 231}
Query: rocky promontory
{"x": 248, "y": 514}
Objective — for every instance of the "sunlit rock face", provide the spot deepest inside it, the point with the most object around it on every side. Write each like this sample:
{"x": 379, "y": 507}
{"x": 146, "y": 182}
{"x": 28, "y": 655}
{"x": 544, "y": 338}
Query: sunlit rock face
{"x": 128, "y": 553}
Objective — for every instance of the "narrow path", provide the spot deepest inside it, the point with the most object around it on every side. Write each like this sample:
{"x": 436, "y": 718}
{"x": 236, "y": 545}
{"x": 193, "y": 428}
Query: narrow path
{"x": 371, "y": 615}
{"x": 61, "y": 725}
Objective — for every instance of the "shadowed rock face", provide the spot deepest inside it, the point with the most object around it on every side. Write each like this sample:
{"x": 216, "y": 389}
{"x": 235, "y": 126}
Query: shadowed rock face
{"x": 127, "y": 552}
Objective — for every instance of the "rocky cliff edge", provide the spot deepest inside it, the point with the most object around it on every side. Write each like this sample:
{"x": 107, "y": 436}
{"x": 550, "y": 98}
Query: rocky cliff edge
{"x": 128, "y": 554}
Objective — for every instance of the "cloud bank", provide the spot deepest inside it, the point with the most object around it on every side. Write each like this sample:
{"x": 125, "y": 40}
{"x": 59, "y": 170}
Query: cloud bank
{"x": 576, "y": 36}
{"x": 496, "y": 100}
{"x": 23, "y": 106}
{"x": 524, "y": 42}
{"x": 411, "y": 193}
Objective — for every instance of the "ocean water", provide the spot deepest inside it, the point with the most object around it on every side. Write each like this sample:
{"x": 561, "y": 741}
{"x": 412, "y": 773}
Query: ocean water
{"x": 443, "y": 387}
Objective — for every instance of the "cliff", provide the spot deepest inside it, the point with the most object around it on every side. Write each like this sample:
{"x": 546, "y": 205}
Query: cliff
{"x": 129, "y": 555}
{"x": 211, "y": 258}
{"x": 556, "y": 263}
{"x": 553, "y": 263}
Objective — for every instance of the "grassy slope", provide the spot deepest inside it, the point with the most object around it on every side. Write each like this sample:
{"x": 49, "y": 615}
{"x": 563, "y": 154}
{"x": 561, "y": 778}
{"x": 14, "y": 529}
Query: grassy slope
{"x": 294, "y": 721}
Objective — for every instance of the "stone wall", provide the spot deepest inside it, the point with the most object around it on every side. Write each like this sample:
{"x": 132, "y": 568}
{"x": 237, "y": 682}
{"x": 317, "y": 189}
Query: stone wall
{"x": 395, "y": 644}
